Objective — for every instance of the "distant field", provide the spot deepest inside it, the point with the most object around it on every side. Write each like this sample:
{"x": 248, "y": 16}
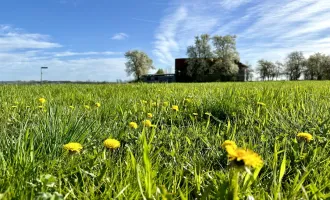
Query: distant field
{"x": 180, "y": 156}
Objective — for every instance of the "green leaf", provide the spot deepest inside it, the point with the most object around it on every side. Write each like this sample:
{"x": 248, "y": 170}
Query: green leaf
{"x": 282, "y": 169}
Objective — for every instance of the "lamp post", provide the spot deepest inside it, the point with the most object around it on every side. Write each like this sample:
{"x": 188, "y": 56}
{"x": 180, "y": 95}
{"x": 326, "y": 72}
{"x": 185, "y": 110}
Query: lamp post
{"x": 41, "y": 68}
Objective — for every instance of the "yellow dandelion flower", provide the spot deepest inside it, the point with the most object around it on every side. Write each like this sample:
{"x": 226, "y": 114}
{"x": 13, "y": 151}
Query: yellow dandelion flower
{"x": 133, "y": 125}
{"x": 72, "y": 107}
{"x": 87, "y": 107}
{"x": 175, "y": 108}
{"x": 42, "y": 100}
{"x": 73, "y": 147}
{"x": 305, "y": 136}
{"x": 229, "y": 143}
{"x": 147, "y": 123}
{"x": 97, "y": 105}
{"x": 149, "y": 115}
{"x": 111, "y": 143}
{"x": 244, "y": 157}
{"x": 165, "y": 103}
{"x": 187, "y": 100}
{"x": 261, "y": 104}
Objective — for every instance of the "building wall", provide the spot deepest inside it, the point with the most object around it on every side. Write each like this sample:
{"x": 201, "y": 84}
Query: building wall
{"x": 166, "y": 78}
{"x": 181, "y": 71}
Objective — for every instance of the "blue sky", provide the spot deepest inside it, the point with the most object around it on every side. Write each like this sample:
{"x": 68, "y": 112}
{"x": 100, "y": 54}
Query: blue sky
{"x": 86, "y": 40}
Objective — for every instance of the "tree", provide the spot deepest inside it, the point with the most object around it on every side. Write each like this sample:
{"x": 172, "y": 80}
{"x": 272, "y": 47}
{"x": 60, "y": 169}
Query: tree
{"x": 317, "y": 67}
{"x": 326, "y": 68}
{"x": 249, "y": 72}
{"x": 138, "y": 63}
{"x": 278, "y": 69}
{"x": 295, "y": 64}
{"x": 160, "y": 71}
{"x": 199, "y": 56}
{"x": 226, "y": 54}
{"x": 203, "y": 61}
{"x": 262, "y": 69}
{"x": 266, "y": 69}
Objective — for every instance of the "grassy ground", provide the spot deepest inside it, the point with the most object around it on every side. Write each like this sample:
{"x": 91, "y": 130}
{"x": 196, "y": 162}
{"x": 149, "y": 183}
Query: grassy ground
{"x": 181, "y": 157}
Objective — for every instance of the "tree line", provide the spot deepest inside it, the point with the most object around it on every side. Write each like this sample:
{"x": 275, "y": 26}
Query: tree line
{"x": 296, "y": 66}
{"x": 209, "y": 55}
{"x": 217, "y": 56}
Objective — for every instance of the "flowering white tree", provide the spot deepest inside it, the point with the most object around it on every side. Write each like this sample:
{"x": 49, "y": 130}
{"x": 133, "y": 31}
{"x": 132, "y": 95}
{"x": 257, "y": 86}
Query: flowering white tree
{"x": 138, "y": 63}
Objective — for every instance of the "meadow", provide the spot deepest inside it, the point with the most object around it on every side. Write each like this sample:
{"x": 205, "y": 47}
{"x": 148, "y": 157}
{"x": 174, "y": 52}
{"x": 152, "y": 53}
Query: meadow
{"x": 179, "y": 154}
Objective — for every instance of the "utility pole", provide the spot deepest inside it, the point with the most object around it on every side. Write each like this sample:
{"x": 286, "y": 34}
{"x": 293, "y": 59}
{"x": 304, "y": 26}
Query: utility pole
{"x": 41, "y": 68}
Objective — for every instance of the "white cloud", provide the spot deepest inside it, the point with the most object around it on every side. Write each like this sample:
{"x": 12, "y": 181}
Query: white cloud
{"x": 230, "y": 4}
{"x": 119, "y": 36}
{"x": 273, "y": 18}
{"x": 166, "y": 43}
{"x": 267, "y": 29}
{"x": 13, "y": 39}
{"x": 22, "y": 54}
{"x": 17, "y": 43}
{"x": 61, "y": 66}
{"x": 4, "y": 28}
{"x": 89, "y": 53}
{"x": 178, "y": 29}
{"x": 23, "y": 67}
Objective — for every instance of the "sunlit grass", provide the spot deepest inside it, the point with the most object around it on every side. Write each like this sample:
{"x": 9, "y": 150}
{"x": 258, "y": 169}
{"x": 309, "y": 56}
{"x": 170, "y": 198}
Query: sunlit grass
{"x": 158, "y": 141}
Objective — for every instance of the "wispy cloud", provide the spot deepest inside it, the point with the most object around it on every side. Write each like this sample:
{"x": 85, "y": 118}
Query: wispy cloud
{"x": 22, "y": 54}
{"x": 89, "y": 53}
{"x": 265, "y": 28}
{"x": 26, "y": 66}
{"x": 178, "y": 29}
{"x": 14, "y": 39}
{"x": 230, "y": 4}
{"x": 145, "y": 20}
{"x": 119, "y": 36}
{"x": 20, "y": 67}
{"x": 166, "y": 41}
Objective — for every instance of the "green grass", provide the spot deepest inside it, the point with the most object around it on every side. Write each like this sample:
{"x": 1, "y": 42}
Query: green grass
{"x": 181, "y": 158}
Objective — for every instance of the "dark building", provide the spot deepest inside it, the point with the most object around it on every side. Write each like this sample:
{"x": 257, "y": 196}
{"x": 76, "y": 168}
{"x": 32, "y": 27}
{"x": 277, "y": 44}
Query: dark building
{"x": 158, "y": 78}
{"x": 181, "y": 71}
{"x": 181, "y": 66}
{"x": 242, "y": 69}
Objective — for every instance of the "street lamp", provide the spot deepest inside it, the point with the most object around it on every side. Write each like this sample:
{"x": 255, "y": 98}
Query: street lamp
{"x": 41, "y": 68}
